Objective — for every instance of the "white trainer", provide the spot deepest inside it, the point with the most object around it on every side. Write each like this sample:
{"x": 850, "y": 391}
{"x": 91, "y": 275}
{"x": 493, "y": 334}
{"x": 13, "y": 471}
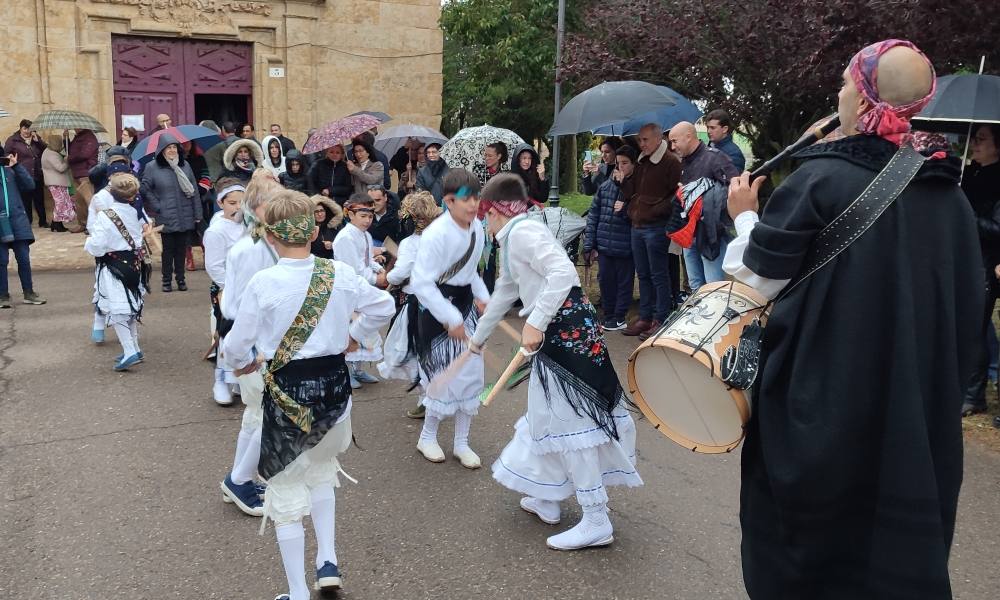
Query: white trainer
{"x": 223, "y": 396}
{"x": 431, "y": 450}
{"x": 588, "y": 533}
{"x": 546, "y": 510}
{"x": 468, "y": 458}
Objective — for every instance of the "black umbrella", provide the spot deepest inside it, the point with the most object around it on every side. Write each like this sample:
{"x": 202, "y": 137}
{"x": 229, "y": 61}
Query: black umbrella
{"x": 608, "y": 103}
{"x": 960, "y": 101}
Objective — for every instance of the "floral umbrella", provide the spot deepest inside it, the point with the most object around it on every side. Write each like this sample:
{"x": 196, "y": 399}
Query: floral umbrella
{"x": 465, "y": 149}
{"x": 335, "y": 132}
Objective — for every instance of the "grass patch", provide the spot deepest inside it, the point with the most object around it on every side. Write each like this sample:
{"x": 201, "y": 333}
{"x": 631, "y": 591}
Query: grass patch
{"x": 575, "y": 202}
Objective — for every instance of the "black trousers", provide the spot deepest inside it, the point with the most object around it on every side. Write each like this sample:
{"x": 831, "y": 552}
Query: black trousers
{"x": 36, "y": 197}
{"x": 174, "y": 250}
{"x": 975, "y": 393}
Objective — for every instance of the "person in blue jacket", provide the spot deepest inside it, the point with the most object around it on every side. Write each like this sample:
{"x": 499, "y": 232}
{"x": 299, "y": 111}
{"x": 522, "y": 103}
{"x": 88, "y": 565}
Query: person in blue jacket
{"x": 15, "y": 229}
{"x": 608, "y": 238}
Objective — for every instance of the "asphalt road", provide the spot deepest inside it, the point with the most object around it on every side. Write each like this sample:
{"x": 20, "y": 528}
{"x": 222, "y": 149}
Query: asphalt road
{"x": 109, "y": 487}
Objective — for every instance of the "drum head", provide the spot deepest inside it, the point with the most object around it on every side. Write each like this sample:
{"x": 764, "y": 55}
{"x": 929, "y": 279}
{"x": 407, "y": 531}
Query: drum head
{"x": 679, "y": 395}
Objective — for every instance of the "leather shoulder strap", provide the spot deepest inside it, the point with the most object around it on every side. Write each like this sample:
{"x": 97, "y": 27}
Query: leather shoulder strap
{"x": 117, "y": 221}
{"x": 461, "y": 262}
{"x": 857, "y": 218}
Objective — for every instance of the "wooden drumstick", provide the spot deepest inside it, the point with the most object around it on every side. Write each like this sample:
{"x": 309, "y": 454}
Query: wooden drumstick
{"x": 515, "y": 363}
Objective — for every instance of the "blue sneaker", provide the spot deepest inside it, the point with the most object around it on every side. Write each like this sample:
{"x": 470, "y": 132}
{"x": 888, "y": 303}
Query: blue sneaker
{"x": 328, "y": 577}
{"x": 97, "y": 336}
{"x": 244, "y": 496}
{"x": 261, "y": 487}
{"x": 283, "y": 597}
{"x": 124, "y": 363}
{"x": 365, "y": 377}
{"x": 122, "y": 355}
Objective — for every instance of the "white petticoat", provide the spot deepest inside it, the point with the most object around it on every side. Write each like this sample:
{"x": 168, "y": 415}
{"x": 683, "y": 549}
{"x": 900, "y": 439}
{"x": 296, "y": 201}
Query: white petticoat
{"x": 395, "y": 364}
{"x": 551, "y": 443}
{"x": 112, "y": 299}
{"x": 288, "y": 497}
{"x": 463, "y": 388}
{"x": 252, "y": 394}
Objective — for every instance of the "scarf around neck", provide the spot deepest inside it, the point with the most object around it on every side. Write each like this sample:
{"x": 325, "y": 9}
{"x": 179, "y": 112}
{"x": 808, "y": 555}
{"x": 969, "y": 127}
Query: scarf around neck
{"x": 182, "y": 180}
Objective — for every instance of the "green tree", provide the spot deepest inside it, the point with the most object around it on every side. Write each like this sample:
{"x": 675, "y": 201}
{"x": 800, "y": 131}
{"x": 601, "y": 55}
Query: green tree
{"x": 499, "y": 64}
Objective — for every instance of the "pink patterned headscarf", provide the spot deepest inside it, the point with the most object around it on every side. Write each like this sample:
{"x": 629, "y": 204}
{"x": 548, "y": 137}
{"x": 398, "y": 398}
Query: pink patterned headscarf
{"x": 885, "y": 120}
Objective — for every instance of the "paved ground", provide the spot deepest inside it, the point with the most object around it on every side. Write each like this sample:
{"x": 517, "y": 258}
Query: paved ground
{"x": 109, "y": 487}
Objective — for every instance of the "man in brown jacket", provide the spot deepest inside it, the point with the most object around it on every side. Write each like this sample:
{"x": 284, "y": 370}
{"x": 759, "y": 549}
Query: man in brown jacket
{"x": 650, "y": 204}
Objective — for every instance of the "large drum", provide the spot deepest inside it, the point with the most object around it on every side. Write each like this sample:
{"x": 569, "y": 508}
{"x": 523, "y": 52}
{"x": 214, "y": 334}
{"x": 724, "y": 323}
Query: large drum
{"x": 674, "y": 375}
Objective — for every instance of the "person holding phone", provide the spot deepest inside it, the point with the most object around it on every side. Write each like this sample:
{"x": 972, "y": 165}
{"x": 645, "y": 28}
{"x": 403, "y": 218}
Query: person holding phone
{"x": 596, "y": 173}
{"x": 28, "y": 147}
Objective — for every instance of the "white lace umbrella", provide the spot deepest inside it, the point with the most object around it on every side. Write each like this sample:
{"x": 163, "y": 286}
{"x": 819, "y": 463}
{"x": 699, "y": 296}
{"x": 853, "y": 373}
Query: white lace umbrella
{"x": 465, "y": 150}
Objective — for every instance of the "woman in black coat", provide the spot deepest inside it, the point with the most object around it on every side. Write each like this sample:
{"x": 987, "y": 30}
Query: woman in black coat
{"x": 329, "y": 175}
{"x": 295, "y": 176}
{"x": 530, "y": 169}
{"x": 15, "y": 229}
{"x": 329, "y": 217}
{"x": 170, "y": 193}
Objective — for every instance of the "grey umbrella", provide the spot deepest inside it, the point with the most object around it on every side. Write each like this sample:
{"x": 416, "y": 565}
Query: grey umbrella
{"x": 961, "y": 100}
{"x": 392, "y": 139}
{"x": 608, "y": 103}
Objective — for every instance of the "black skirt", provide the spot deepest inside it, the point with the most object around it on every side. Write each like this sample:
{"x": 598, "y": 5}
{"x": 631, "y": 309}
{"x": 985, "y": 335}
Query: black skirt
{"x": 323, "y": 385}
{"x": 435, "y": 350}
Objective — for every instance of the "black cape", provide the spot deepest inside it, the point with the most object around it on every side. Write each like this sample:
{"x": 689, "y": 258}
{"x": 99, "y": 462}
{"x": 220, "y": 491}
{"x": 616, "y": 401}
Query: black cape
{"x": 853, "y": 457}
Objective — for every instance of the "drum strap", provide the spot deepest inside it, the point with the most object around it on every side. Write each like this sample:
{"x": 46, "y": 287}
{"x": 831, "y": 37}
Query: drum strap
{"x": 740, "y": 363}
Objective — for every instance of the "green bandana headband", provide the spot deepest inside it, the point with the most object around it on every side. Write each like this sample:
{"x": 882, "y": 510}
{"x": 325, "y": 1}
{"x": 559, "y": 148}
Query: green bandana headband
{"x": 294, "y": 230}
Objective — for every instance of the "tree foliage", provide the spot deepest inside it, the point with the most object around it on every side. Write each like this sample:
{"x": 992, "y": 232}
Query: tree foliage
{"x": 499, "y": 64}
{"x": 776, "y": 65}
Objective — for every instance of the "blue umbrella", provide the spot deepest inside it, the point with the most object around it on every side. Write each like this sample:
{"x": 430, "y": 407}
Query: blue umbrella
{"x": 202, "y": 137}
{"x": 666, "y": 117}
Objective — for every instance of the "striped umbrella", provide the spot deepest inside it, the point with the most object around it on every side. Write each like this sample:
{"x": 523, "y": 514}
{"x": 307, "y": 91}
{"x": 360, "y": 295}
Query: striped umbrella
{"x": 203, "y": 137}
{"x": 4, "y": 113}
{"x": 67, "y": 119}
{"x": 336, "y": 132}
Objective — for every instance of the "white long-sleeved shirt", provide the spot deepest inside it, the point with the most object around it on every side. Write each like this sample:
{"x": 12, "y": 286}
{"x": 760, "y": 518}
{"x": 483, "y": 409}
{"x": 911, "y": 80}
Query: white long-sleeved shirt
{"x": 273, "y": 298}
{"x": 733, "y": 262}
{"x": 403, "y": 268}
{"x": 356, "y": 248}
{"x": 441, "y": 245}
{"x": 101, "y": 200}
{"x": 534, "y": 267}
{"x": 104, "y": 237}
{"x": 221, "y": 235}
{"x": 245, "y": 259}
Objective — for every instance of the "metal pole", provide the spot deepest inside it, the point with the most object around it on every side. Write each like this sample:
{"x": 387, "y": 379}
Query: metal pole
{"x": 968, "y": 134}
{"x": 554, "y": 178}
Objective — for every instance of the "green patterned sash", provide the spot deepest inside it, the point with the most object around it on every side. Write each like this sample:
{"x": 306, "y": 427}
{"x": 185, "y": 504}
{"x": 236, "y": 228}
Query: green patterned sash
{"x": 317, "y": 296}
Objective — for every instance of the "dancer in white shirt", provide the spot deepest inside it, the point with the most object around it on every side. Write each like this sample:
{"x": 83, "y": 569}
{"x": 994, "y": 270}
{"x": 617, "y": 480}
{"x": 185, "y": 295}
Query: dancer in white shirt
{"x": 446, "y": 281}
{"x": 577, "y": 436}
{"x": 297, "y": 316}
{"x": 222, "y": 234}
{"x": 122, "y": 275}
{"x": 250, "y": 255}
{"x": 400, "y": 344}
{"x": 354, "y": 246}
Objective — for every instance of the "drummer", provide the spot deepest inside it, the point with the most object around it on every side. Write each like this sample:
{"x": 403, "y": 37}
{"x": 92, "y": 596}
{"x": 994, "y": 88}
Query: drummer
{"x": 577, "y": 436}
{"x": 853, "y": 457}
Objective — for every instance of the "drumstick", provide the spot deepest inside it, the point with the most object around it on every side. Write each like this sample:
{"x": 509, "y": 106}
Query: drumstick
{"x": 515, "y": 362}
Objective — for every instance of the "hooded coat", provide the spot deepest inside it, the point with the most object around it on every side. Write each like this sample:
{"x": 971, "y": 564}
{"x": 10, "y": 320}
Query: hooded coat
{"x": 328, "y": 175}
{"x": 298, "y": 182}
{"x": 431, "y": 177}
{"x": 229, "y": 159}
{"x": 17, "y": 181}
{"x": 162, "y": 195}
{"x": 268, "y": 162}
{"x": 327, "y": 229}
{"x": 538, "y": 188}
{"x": 852, "y": 462}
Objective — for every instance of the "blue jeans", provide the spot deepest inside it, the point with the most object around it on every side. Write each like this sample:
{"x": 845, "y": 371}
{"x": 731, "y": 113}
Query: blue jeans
{"x": 700, "y": 270}
{"x": 20, "y": 248}
{"x": 650, "y": 252}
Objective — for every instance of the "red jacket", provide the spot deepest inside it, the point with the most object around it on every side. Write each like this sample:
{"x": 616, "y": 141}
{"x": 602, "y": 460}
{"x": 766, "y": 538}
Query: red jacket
{"x": 82, "y": 153}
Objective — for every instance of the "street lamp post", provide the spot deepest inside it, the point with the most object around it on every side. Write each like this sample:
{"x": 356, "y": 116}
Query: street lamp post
{"x": 560, "y": 27}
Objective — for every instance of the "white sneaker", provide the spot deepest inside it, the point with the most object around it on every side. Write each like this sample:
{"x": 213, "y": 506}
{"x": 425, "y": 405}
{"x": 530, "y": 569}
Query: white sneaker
{"x": 223, "y": 397}
{"x": 468, "y": 458}
{"x": 546, "y": 510}
{"x": 431, "y": 450}
{"x": 589, "y": 532}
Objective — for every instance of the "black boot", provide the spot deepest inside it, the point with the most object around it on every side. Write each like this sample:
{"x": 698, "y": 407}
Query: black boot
{"x": 167, "y": 287}
{"x": 58, "y": 227}
{"x": 181, "y": 286}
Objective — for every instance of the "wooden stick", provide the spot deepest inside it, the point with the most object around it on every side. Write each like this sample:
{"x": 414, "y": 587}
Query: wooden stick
{"x": 515, "y": 362}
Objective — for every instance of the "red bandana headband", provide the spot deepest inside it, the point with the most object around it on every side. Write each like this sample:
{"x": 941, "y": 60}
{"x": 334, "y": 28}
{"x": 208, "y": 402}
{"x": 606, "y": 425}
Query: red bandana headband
{"x": 885, "y": 120}
{"x": 508, "y": 209}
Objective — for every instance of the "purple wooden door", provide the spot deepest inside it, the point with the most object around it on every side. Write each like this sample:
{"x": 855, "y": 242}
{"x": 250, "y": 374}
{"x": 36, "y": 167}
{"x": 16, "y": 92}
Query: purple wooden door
{"x": 155, "y": 75}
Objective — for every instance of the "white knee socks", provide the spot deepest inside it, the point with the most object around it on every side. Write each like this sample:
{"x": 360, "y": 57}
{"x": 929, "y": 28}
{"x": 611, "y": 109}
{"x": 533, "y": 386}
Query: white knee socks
{"x": 100, "y": 321}
{"x": 133, "y": 327}
{"x": 246, "y": 465}
{"x": 292, "y": 545}
{"x": 463, "y": 422}
{"x": 430, "y": 431}
{"x": 323, "y": 513}
{"x": 242, "y": 442}
{"x": 124, "y": 337}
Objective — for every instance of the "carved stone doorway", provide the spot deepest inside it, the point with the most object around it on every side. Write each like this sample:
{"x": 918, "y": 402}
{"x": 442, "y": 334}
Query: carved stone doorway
{"x": 190, "y": 80}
